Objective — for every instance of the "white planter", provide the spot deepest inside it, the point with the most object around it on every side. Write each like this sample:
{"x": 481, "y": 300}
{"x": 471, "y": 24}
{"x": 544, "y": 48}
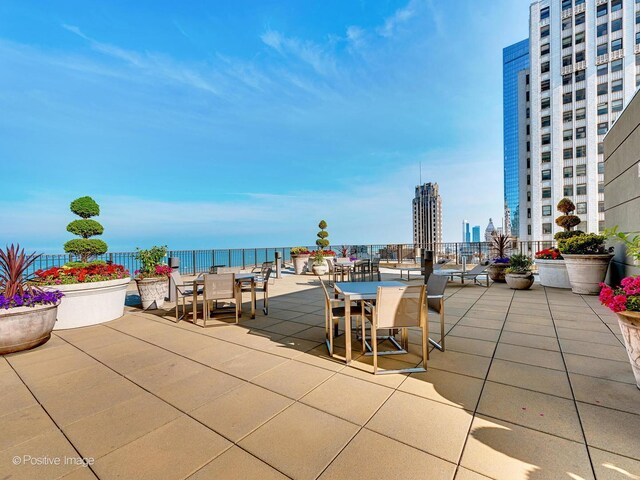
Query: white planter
{"x": 519, "y": 281}
{"x": 310, "y": 263}
{"x": 91, "y": 303}
{"x": 586, "y": 272}
{"x": 22, "y": 328}
{"x": 153, "y": 291}
{"x": 321, "y": 269}
{"x": 630, "y": 327}
{"x": 299, "y": 262}
{"x": 553, "y": 273}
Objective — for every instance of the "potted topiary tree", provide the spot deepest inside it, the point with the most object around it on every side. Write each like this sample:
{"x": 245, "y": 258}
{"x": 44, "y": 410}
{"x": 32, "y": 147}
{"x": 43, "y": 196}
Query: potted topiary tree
{"x": 27, "y": 313}
{"x": 320, "y": 266}
{"x": 500, "y": 262}
{"x": 153, "y": 277}
{"x": 518, "y": 275}
{"x": 94, "y": 291}
{"x": 321, "y": 256}
{"x": 587, "y": 260}
{"x": 300, "y": 257}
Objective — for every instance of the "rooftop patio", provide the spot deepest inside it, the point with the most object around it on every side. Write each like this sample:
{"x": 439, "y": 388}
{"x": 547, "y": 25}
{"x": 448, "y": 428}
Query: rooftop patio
{"x": 533, "y": 385}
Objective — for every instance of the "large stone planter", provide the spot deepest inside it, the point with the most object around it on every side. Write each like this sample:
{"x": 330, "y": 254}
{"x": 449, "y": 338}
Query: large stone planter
{"x": 22, "y": 328}
{"x": 630, "y": 327}
{"x": 519, "y": 281}
{"x": 299, "y": 263}
{"x": 586, "y": 272}
{"x": 496, "y": 272}
{"x": 320, "y": 269}
{"x": 553, "y": 273}
{"x": 311, "y": 265}
{"x": 153, "y": 291}
{"x": 86, "y": 304}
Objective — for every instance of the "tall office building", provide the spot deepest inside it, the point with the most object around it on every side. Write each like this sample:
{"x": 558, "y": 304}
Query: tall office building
{"x": 583, "y": 72}
{"x": 466, "y": 232}
{"x": 515, "y": 64}
{"x": 476, "y": 233}
{"x": 427, "y": 215}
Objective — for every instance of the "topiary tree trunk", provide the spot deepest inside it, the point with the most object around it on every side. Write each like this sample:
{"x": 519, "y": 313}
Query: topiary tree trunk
{"x": 85, "y": 247}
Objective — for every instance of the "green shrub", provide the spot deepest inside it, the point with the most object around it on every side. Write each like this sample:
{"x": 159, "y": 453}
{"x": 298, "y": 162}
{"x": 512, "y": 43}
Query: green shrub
{"x": 519, "y": 263}
{"x": 586, "y": 244}
{"x": 567, "y": 221}
{"x": 631, "y": 241}
{"x": 85, "y": 207}
{"x": 150, "y": 258}
{"x": 299, "y": 250}
{"x": 85, "y": 247}
{"x": 84, "y": 264}
{"x": 567, "y": 234}
{"x": 322, "y": 235}
{"x": 85, "y": 228}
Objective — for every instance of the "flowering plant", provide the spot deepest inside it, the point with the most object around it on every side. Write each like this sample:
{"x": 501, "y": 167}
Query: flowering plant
{"x": 84, "y": 273}
{"x": 549, "y": 254}
{"x": 626, "y": 297}
{"x": 30, "y": 299}
{"x": 151, "y": 263}
{"x": 159, "y": 271}
{"x": 326, "y": 253}
{"x": 501, "y": 260}
{"x": 300, "y": 251}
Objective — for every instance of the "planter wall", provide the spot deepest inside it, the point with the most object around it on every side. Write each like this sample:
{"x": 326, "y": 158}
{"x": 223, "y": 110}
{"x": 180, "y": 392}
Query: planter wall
{"x": 23, "y": 328}
{"x": 86, "y": 304}
{"x": 553, "y": 273}
{"x": 586, "y": 272}
{"x": 496, "y": 272}
{"x": 630, "y": 327}
{"x": 519, "y": 281}
{"x": 299, "y": 263}
{"x": 153, "y": 291}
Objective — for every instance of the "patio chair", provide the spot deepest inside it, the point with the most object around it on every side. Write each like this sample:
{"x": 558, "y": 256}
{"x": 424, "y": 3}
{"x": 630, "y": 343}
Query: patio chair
{"x": 221, "y": 286}
{"x": 436, "y": 285}
{"x": 334, "y": 310}
{"x": 214, "y": 268}
{"x": 182, "y": 291}
{"x": 474, "y": 273}
{"x": 261, "y": 285}
{"x": 359, "y": 276}
{"x": 262, "y": 268}
{"x": 399, "y": 308}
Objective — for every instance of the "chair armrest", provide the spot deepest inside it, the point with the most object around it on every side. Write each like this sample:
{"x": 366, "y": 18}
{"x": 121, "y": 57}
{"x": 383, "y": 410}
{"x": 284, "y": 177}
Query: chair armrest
{"x": 435, "y": 296}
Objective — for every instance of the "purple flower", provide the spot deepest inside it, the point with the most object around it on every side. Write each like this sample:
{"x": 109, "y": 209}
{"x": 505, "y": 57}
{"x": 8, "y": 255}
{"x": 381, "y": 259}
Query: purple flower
{"x": 30, "y": 299}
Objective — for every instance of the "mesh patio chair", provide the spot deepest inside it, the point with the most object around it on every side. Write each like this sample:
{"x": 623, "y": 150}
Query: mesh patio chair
{"x": 436, "y": 285}
{"x": 399, "y": 308}
{"x": 262, "y": 268}
{"x": 261, "y": 285}
{"x": 334, "y": 311}
{"x": 474, "y": 273}
{"x": 375, "y": 267}
{"x": 221, "y": 286}
{"x": 182, "y": 291}
{"x": 360, "y": 276}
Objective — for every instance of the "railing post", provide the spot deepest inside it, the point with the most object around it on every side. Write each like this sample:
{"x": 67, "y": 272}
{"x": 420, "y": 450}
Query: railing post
{"x": 456, "y": 253}
{"x": 243, "y": 260}
{"x": 193, "y": 258}
{"x": 229, "y": 258}
{"x": 213, "y": 257}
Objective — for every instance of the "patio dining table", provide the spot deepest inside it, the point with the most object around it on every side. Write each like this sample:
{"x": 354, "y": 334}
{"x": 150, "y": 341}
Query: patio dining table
{"x": 353, "y": 291}
{"x": 241, "y": 278}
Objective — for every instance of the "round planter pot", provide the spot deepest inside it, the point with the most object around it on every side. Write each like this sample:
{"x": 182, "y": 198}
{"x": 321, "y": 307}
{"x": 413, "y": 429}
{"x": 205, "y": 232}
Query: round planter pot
{"x": 630, "y": 327}
{"x": 86, "y": 304}
{"x": 519, "y": 281}
{"x": 496, "y": 272}
{"x": 22, "y": 328}
{"x": 586, "y": 272}
{"x": 299, "y": 263}
{"x": 553, "y": 273}
{"x": 320, "y": 269}
{"x": 311, "y": 265}
{"x": 153, "y": 291}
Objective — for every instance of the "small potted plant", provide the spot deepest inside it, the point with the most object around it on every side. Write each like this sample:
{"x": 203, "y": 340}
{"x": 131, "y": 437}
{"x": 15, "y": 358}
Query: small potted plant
{"x": 319, "y": 263}
{"x": 518, "y": 275}
{"x": 551, "y": 268}
{"x": 322, "y": 242}
{"x": 300, "y": 257}
{"x": 587, "y": 259}
{"x": 624, "y": 301}
{"x": 27, "y": 313}
{"x": 500, "y": 262}
{"x": 153, "y": 277}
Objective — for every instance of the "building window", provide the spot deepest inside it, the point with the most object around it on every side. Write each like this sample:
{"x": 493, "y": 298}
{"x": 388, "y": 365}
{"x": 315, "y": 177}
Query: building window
{"x": 603, "y": 88}
{"x": 581, "y": 151}
{"x": 616, "y": 5}
{"x": 600, "y": 148}
{"x": 566, "y": 79}
{"x": 528, "y": 179}
{"x": 603, "y": 128}
{"x": 580, "y": 75}
{"x": 601, "y": 207}
{"x": 546, "y": 193}
{"x": 566, "y": 24}
{"x": 616, "y": 66}
{"x": 567, "y": 134}
{"x": 580, "y": 56}
{"x": 580, "y": 18}
{"x": 567, "y": 116}
{"x": 567, "y": 60}
{"x": 616, "y": 86}
{"x": 603, "y": 108}
{"x": 545, "y": 121}
{"x": 528, "y": 196}
{"x": 616, "y": 105}
{"x": 567, "y": 191}
{"x": 528, "y": 213}
{"x": 544, "y": 67}
{"x": 616, "y": 25}
{"x": 546, "y": 210}
{"x": 545, "y": 103}
{"x": 567, "y": 172}
{"x": 579, "y": 38}
{"x": 544, "y": 49}
{"x": 616, "y": 44}
{"x": 601, "y": 187}
{"x": 528, "y": 163}
{"x": 581, "y": 94}
{"x": 545, "y": 85}
{"x": 567, "y": 98}
{"x": 544, "y": 31}
{"x": 601, "y": 29}
{"x": 566, "y": 41}
{"x": 567, "y": 153}
{"x": 581, "y": 189}
{"x": 581, "y": 132}
{"x": 546, "y": 174}
{"x": 637, "y": 38}
{"x": 528, "y": 229}
{"x": 581, "y": 170}
{"x": 567, "y": 4}
{"x": 602, "y": 69}
{"x": 581, "y": 113}
{"x": 601, "y": 11}
{"x": 544, "y": 13}
{"x": 545, "y": 157}
{"x": 581, "y": 208}
{"x": 602, "y": 49}
{"x": 601, "y": 167}
{"x": 546, "y": 229}
{"x": 546, "y": 139}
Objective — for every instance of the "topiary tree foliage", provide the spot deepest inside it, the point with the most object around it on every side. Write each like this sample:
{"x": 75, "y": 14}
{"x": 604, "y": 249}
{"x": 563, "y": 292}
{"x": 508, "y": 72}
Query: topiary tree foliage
{"x": 567, "y": 220}
{"x": 85, "y": 247}
{"x": 322, "y": 241}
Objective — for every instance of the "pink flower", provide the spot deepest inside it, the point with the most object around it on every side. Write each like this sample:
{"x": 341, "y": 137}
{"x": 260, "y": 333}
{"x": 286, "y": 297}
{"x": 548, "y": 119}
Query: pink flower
{"x": 619, "y": 303}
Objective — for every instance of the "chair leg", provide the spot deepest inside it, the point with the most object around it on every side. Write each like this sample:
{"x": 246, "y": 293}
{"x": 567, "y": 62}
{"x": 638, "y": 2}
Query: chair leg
{"x": 374, "y": 345}
{"x": 205, "y": 312}
{"x": 266, "y": 301}
{"x": 425, "y": 345}
{"x": 364, "y": 333}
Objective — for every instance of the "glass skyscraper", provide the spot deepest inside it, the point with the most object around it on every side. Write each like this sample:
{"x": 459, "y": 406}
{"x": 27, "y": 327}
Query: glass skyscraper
{"x": 515, "y": 59}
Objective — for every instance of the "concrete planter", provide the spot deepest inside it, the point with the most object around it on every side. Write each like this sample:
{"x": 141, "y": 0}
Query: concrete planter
{"x": 630, "y": 327}
{"x": 153, "y": 291}
{"x": 311, "y": 265}
{"x": 299, "y": 263}
{"x": 321, "y": 269}
{"x": 553, "y": 273}
{"x": 519, "y": 281}
{"x": 86, "y": 304}
{"x": 22, "y": 328}
{"x": 496, "y": 272}
{"x": 586, "y": 272}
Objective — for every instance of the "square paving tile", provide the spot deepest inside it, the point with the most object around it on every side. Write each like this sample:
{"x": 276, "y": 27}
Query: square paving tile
{"x": 279, "y": 379}
{"x": 445, "y": 387}
{"x": 407, "y": 418}
{"x": 609, "y": 466}
{"x": 462, "y": 363}
{"x": 528, "y": 340}
{"x": 286, "y": 440}
{"x": 24, "y": 424}
{"x": 464, "y": 474}
{"x": 540, "y": 379}
{"x": 600, "y": 368}
{"x": 470, "y": 345}
{"x": 530, "y": 356}
{"x": 236, "y": 464}
{"x": 606, "y": 393}
{"x": 611, "y": 430}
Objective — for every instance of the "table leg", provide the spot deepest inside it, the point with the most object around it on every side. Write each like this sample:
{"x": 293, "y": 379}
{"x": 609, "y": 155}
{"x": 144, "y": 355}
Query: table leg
{"x": 253, "y": 298}
{"x": 347, "y": 328}
{"x": 195, "y": 303}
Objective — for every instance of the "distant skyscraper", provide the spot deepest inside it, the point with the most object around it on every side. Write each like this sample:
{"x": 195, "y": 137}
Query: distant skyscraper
{"x": 515, "y": 66}
{"x": 476, "y": 233}
{"x": 427, "y": 215}
{"x": 489, "y": 231}
{"x": 466, "y": 233}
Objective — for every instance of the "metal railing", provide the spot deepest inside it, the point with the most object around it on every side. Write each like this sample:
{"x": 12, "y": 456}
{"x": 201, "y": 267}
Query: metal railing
{"x": 198, "y": 261}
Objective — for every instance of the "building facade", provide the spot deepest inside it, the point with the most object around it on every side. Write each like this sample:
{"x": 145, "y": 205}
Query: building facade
{"x": 515, "y": 60}
{"x": 476, "y": 233}
{"x": 466, "y": 232}
{"x": 427, "y": 215}
{"x": 582, "y": 73}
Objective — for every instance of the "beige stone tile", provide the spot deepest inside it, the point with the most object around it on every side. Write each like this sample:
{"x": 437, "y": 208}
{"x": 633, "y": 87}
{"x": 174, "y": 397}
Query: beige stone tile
{"x": 609, "y": 466}
{"x": 362, "y": 368}
{"x": 597, "y": 350}
{"x": 611, "y": 430}
{"x": 545, "y": 380}
{"x": 464, "y": 474}
{"x": 534, "y": 319}
{"x": 41, "y": 372}
{"x": 348, "y": 398}
{"x": 375, "y": 456}
{"x": 505, "y": 451}
{"x": 96, "y": 435}
{"x": 462, "y": 363}
{"x": 577, "y": 324}
{"x": 528, "y": 340}
{"x": 240, "y": 411}
{"x": 530, "y": 329}
{"x": 279, "y": 378}
{"x": 319, "y": 357}
{"x": 251, "y": 364}
{"x": 406, "y": 418}
{"x": 290, "y": 347}
{"x": 535, "y": 410}
{"x": 530, "y": 356}
{"x": 314, "y": 334}
{"x": 606, "y": 393}
{"x": 445, "y": 387}
{"x": 24, "y": 424}
{"x": 470, "y": 321}
{"x": 488, "y": 334}
{"x": 221, "y": 352}
{"x": 174, "y": 450}
{"x": 286, "y": 440}
{"x": 600, "y": 368}
{"x": 286, "y": 328}
{"x": 14, "y": 398}
{"x": 127, "y": 360}
{"x": 605, "y": 338}
{"x": 470, "y": 345}
{"x": 88, "y": 338}
{"x": 74, "y": 381}
{"x": 236, "y": 464}
{"x": 162, "y": 374}
{"x": 81, "y": 473}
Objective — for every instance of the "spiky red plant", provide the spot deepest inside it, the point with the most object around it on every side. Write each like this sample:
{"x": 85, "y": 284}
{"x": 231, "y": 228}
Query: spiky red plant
{"x": 13, "y": 267}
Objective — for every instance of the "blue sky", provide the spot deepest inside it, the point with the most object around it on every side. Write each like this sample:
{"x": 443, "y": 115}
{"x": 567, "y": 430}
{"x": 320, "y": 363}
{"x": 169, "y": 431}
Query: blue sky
{"x": 236, "y": 124}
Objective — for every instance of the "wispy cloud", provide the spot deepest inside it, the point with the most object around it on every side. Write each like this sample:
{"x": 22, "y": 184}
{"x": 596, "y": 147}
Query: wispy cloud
{"x": 401, "y": 16}
{"x": 317, "y": 56}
